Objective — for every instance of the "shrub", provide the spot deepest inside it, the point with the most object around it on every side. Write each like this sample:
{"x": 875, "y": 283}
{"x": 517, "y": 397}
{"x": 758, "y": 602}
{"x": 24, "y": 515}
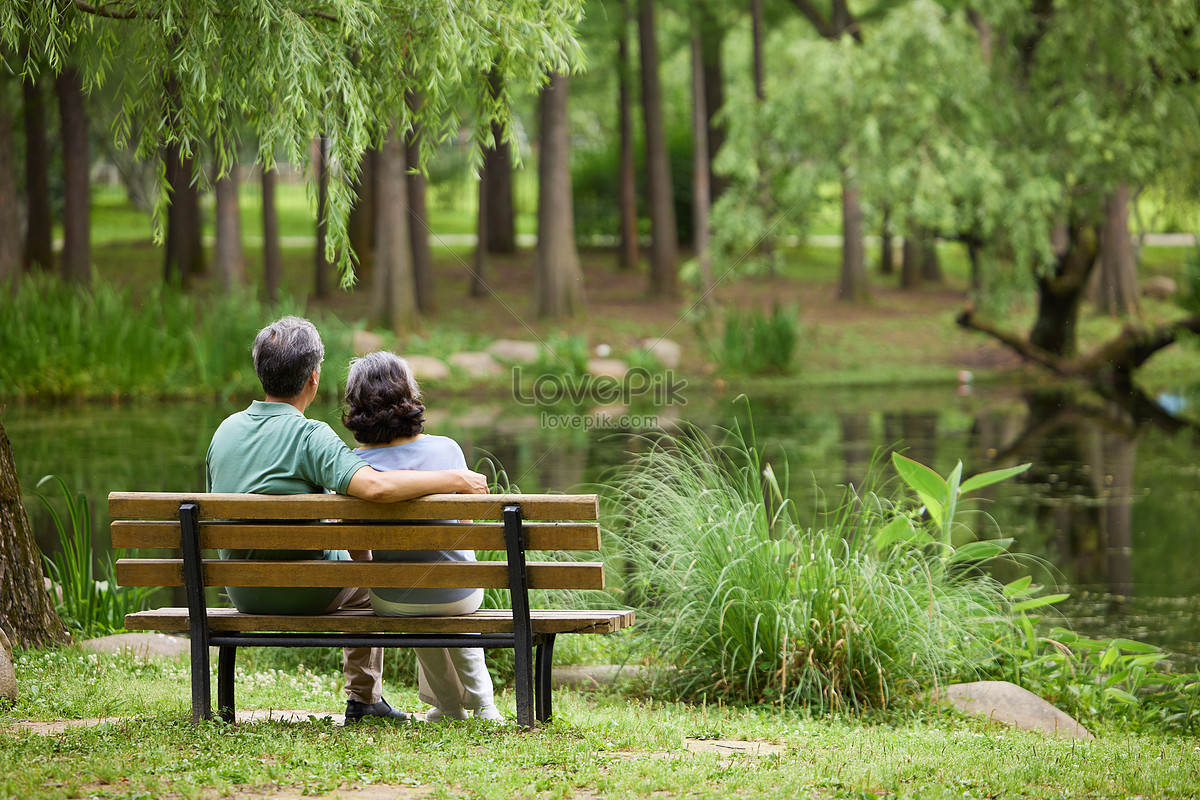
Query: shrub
{"x": 757, "y": 343}
{"x": 747, "y": 604}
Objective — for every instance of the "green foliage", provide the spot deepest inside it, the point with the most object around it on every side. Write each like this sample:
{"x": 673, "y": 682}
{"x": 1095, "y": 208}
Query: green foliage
{"x": 1189, "y": 297}
{"x": 61, "y": 340}
{"x": 90, "y": 607}
{"x": 750, "y": 605}
{"x": 284, "y": 72}
{"x": 756, "y": 343}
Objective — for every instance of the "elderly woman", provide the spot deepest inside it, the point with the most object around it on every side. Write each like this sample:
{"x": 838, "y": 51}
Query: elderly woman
{"x": 383, "y": 409}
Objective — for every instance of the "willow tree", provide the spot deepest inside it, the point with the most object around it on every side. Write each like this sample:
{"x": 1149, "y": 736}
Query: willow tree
{"x": 1008, "y": 129}
{"x": 283, "y": 72}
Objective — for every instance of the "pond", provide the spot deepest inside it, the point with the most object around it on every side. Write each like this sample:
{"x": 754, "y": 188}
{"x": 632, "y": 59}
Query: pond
{"x": 1106, "y": 512}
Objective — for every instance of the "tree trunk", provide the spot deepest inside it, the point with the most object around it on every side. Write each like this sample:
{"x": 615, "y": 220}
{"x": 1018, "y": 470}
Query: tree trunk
{"x": 630, "y": 252}
{"x": 360, "y": 229}
{"x": 479, "y": 287}
{"x": 853, "y": 287}
{"x": 558, "y": 277}
{"x": 931, "y": 265}
{"x": 664, "y": 253}
{"x": 227, "y": 254}
{"x": 184, "y": 255}
{"x": 756, "y": 32}
{"x": 701, "y": 164}
{"x": 10, "y": 218}
{"x": 395, "y": 299}
{"x": 418, "y": 223}
{"x": 712, "y": 36}
{"x": 77, "y": 246}
{"x": 322, "y": 269}
{"x": 39, "y": 252}
{"x": 272, "y": 257}
{"x": 911, "y": 260}
{"x": 498, "y": 163}
{"x": 887, "y": 254}
{"x": 1114, "y": 286}
{"x": 27, "y": 614}
{"x": 1059, "y": 295}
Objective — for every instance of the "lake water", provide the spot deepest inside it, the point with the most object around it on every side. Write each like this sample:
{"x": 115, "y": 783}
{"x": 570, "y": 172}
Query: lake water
{"x": 1106, "y": 512}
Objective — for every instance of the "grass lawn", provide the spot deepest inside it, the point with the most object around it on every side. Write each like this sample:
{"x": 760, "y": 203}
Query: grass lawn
{"x": 603, "y": 744}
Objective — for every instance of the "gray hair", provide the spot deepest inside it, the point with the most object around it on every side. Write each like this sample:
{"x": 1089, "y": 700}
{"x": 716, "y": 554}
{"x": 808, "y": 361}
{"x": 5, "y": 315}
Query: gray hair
{"x": 285, "y": 353}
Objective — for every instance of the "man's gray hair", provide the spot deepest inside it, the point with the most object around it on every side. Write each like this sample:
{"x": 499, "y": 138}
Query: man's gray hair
{"x": 285, "y": 354}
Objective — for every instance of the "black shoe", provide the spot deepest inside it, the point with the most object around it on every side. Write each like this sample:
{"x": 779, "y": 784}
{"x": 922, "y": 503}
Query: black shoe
{"x": 355, "y": 711}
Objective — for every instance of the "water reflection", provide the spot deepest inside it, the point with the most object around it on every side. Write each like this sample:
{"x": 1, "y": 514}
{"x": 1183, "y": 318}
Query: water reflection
{"x": 1107, "y": 506}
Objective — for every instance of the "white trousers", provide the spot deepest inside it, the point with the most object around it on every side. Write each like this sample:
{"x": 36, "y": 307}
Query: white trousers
{"x": 450, "y": 678}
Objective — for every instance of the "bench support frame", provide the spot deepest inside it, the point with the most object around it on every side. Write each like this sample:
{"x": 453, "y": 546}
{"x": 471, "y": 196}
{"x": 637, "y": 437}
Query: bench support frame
{"x": 532, "y": 678}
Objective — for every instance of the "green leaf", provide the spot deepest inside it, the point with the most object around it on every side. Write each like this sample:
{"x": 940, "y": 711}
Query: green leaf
{"x": 977, "y": 482}
{"x": 1039, "y": 602}
{"x": 1121, "y": 695}
{"x": 1130, "y": 646}
{"x": 927, "y": 484}
{"x": 980, "y": 551}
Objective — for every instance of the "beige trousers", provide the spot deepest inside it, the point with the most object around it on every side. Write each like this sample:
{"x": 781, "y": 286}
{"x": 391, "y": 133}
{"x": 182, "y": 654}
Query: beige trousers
{"x": 361, "y": 666}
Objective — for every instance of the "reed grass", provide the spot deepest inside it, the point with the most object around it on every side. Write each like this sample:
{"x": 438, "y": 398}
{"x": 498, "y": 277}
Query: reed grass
{"x": 63, "y": 341}
{"x": 746, "y": 603}
{"x": 90, "y": 601}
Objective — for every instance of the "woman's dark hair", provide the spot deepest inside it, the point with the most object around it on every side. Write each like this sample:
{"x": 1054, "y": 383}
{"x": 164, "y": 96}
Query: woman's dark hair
{"x": 382, "y": 401}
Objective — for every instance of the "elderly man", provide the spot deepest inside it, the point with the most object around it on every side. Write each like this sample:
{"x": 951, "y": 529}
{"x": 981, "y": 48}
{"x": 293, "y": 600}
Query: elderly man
{"x": 272, "y": 448}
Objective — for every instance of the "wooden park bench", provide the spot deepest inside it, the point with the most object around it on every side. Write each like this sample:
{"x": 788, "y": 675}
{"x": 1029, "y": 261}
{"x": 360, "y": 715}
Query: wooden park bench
{"x": 195, "y": 523}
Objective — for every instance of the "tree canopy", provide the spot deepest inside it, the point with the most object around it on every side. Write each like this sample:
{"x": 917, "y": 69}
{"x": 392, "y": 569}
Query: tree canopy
{"x": 283, "y": 71}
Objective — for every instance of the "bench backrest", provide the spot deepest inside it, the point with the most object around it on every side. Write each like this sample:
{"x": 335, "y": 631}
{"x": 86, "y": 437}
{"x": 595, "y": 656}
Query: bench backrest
{"x": 548, "y": 523}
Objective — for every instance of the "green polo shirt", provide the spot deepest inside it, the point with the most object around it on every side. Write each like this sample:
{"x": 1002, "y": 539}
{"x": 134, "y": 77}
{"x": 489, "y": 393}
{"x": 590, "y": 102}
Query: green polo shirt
{"x": 272, "y": 448}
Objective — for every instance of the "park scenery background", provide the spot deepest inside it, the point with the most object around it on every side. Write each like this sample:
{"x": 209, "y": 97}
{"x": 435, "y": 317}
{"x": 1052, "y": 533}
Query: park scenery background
{"x": 872, "y": 323}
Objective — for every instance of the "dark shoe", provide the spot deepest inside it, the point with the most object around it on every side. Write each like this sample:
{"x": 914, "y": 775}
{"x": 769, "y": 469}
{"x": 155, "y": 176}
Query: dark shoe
{"x": 355, "y": 711}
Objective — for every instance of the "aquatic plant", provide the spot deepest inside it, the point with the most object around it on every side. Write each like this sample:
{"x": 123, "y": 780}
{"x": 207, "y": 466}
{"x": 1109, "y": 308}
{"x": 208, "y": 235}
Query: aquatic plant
{"x": 746, "y": 603}
{"x": 90, "y": 606}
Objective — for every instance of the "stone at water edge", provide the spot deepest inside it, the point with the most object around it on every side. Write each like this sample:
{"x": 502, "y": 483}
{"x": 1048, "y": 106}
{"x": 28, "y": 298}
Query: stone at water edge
{"x": 476, "y": 364}
{"x": 142, "y": 645}
{"x": 428, "y": 368}
{"x": 516, "y": 351}
{"x": 8, "y": 673}
{"x": 1007, "y": 703}
{"x": 363, "y": 342}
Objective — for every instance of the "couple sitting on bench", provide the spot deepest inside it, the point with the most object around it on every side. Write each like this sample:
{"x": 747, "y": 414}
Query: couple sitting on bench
{"x": 272, "y": 448}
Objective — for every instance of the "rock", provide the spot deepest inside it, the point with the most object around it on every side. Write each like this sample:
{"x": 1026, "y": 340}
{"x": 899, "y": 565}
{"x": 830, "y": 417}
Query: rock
{"x": 593, "y": 677}
{"x": 515, "y": 351}
{"x": 1009, "y": 704}
{"x": 363, "y": 342}
{"x": 476, "y": 364}
{"x": 8, "y": 673}
{"x": 142, "y": 645}
{"x": 54, "y": 590}
{"x": 607, "y": 367}
{"x": 428, "y": 368}
{"x": 1160, "y": 287}
{"x": 665, "y": 351}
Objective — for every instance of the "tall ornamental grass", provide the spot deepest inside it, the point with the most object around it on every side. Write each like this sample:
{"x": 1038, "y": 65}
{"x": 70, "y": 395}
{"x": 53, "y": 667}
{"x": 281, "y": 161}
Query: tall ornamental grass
{"x": 65, "y": 341}
{"x": 746, "y": 603}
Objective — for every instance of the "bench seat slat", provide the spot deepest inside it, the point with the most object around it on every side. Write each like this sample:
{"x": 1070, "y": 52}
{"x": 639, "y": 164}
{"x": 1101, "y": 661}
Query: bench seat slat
{"x": 165, "y": 534}
{"x": 486, "y": 574}
{"x": 482, "y": 621}
{"x": 165, "y": 505}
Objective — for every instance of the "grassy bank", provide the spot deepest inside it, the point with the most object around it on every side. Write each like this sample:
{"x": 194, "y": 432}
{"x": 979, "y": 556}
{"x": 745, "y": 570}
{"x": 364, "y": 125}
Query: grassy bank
{"x": 601, "y": 745}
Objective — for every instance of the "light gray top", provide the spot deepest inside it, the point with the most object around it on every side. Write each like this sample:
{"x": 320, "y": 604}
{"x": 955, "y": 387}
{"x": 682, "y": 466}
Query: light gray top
{"x": 426, "y": 452}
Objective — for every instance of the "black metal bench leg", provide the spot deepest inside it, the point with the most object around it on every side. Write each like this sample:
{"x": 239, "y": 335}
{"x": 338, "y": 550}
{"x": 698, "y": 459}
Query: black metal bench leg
{"x": 201, "y": 680}
{"x": 226, "y": 654}
{"x": 542, "y": 677}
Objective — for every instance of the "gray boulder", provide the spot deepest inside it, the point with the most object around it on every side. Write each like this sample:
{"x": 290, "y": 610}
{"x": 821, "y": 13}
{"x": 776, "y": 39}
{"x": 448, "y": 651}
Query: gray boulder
{"x": 515, "y": 351}
{"x": 428, "y": 368}
{"x": 8, "y": 673}
{"x": 667, "y": 352}
{"x": 476, "y": 364}
{"x": 364, "y": 342}
{"x": 1009, "y": 704}
{"x": 1160, "y": 287}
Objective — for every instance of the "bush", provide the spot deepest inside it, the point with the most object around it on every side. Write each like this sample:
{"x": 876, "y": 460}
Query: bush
{"x": 747, "y": 604}
{"x": 756, "y": 343}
